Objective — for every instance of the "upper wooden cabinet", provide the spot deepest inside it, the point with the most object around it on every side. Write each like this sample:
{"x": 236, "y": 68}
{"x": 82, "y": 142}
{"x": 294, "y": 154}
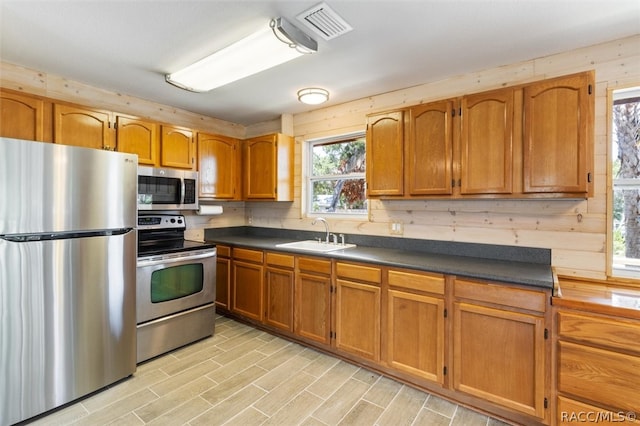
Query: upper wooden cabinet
{"x": 219, "y": 167}
{"x": 528, "y": 141}
{"x": 429, "y": 148}
{"x": 21, "y": 116}
{"x": 85, "y": 127}
{"x": 385, "y": 156}
{"x": 558, "y": 134}
{"x": 137, "y": 136}
{"x": 268, "y": 168}
{"x": 177, "y": 147}
{"x": 486, "y": 143}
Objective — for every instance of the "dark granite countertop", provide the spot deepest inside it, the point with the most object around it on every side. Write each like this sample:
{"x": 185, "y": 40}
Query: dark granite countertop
{"x": 503, "y": 264}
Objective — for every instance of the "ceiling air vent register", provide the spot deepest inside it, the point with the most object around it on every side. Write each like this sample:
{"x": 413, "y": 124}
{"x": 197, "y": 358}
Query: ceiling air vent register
{"x": 324, "y": 21}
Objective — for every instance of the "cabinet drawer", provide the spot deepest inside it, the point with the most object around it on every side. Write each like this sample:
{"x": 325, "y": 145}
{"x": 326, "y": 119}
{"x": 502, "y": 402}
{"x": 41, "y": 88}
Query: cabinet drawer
{"x": 279, "y": 259}
{"x": 432, "y": 283}
{"x": 359, "y": 272}
{"x": 610, "y": 378}
{"x": 502, "y": 295}
{"x": 314, "y": 265}
{"x": 223, "y": 251}
{"x": 248, "y": 255}
{"x": 600, "y": 331}
{"x": 571, "y": 412}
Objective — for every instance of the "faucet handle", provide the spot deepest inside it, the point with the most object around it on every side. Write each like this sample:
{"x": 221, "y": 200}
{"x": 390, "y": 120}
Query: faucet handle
{"x": 342, "y": 239}
{"x": 334, "y": 238}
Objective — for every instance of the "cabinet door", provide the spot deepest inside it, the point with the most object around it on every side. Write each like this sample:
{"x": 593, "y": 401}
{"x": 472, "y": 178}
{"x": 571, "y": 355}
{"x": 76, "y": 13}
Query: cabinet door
{"x": 498, "y": 355}
{"x": 416, "y": 334}
{"x": 82, "y": 127}
{"x": 279, "y": 298}
{"x": 430, "y": 149}
{"x": 139, "y": 137}
{"x": 358, "y": 318}
{"x": 223, "y": 282}
{"x": 260, "y": 168}
{"x": 558, "y": 134}
{"x": 21, "y": 117}
{"x": 219, "y": 167}
{"x": 313, "y": 306}
{"x": 313, "y": 299}
{"x": 176, "y": 146}
{"x": 248, "y": 281}
{"x": 385, "y": 156}
{"x": 486, "y": 145}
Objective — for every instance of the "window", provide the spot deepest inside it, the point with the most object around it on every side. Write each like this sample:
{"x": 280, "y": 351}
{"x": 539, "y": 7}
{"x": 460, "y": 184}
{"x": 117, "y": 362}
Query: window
{"x": 625, "y": 168}
{"x": 336, "y": 176}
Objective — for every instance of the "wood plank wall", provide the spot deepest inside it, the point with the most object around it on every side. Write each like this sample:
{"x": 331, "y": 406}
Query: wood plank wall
{"x": 575, "y": 230}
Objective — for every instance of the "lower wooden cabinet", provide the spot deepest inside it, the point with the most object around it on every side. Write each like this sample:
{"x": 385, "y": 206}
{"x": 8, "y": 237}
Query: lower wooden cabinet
{"x": 572, "y": 412}
{"x": 248, "y": 283}
{"x": 598, "y": 366}
{"x": 499, "y": 346}
{"x": 278, "y": 295}
{"x": 313, "y": 299}
{"x": 416, "y": 324}
{"x": 223, "y": 277}
{"x": 357, "y": 313}
{"x": 484, "y": 343}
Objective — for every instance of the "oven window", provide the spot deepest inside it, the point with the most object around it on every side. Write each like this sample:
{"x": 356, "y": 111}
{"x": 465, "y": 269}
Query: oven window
{"x": 176, "y": 282}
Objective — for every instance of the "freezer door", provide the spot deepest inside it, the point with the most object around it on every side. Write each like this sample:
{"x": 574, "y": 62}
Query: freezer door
{"x": 67, "y": 320}
{"x": 47, "y": 187}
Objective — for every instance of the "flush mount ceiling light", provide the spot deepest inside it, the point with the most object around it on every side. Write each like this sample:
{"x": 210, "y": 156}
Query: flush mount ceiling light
{"x": 313, "y": 95}
{"x": 271, "y": 46}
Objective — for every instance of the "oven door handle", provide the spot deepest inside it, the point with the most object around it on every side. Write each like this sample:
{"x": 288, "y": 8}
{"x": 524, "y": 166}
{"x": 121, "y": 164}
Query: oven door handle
{"x": 175, "y": 259}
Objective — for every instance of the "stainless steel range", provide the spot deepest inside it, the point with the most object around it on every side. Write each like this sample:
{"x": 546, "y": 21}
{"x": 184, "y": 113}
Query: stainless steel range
{"x": 175, "y": 286}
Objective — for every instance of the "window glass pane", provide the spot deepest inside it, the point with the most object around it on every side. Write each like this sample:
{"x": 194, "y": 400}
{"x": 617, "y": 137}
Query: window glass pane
{"x": 336, "y": 182}
{"x": 339, "y": 196}
{"x": 338, "y": 158}
{"x": 176, "y": 282}
{"x": 626, "y": 183}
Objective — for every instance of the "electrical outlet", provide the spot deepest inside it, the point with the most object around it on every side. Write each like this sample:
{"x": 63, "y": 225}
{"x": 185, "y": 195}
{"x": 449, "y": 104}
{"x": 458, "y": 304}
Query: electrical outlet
{"x": 396, "y": 228}
{"x": 250, "y": 220}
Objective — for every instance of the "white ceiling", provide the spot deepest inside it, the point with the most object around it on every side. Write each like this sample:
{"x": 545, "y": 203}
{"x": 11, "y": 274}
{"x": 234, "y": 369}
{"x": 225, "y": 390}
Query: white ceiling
{"x": 127, "y": 46}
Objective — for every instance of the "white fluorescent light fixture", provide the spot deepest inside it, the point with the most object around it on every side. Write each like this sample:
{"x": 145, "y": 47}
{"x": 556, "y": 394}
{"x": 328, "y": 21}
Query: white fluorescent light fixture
{"x": 276, "y": 44}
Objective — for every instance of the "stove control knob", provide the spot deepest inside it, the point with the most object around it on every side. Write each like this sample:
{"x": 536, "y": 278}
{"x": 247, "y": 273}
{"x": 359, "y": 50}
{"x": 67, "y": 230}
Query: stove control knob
{"x": 172, "y": 221}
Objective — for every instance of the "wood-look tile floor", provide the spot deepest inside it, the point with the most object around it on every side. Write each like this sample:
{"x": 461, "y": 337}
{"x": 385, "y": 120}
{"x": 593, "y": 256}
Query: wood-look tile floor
{"x": 244, "y": 376}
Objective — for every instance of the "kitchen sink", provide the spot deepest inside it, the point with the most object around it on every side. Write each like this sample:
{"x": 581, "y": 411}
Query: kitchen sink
{"x": 313, "y": 245}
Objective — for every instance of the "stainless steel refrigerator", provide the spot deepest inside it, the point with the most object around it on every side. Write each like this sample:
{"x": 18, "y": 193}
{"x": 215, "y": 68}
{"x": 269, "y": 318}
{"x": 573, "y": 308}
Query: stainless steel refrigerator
{"x": 67, "y": 274}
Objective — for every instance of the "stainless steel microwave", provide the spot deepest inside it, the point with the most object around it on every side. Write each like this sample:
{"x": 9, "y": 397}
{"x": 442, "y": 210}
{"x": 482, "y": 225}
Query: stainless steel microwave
{"x": 167, "y": 189}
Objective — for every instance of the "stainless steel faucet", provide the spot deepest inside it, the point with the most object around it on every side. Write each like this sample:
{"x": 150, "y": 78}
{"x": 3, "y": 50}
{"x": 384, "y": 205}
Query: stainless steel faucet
{"x": 326, "y": 227}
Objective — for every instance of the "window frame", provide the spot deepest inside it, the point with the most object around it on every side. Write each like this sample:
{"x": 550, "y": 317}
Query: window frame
{"x": 612, "y": 272}
{"x": 309, "y": 178}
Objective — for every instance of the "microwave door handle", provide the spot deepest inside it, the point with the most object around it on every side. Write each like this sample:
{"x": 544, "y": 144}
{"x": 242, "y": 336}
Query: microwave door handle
{"x": 183, "y": 188}
{"x": 175, "y": 259}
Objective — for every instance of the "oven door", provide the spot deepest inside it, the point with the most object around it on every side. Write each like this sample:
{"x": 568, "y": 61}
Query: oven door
{"x": 167, "y": 284}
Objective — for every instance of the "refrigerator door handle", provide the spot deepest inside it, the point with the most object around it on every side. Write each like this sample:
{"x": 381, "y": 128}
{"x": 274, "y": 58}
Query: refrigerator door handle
{"x": 49, "y": 236}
